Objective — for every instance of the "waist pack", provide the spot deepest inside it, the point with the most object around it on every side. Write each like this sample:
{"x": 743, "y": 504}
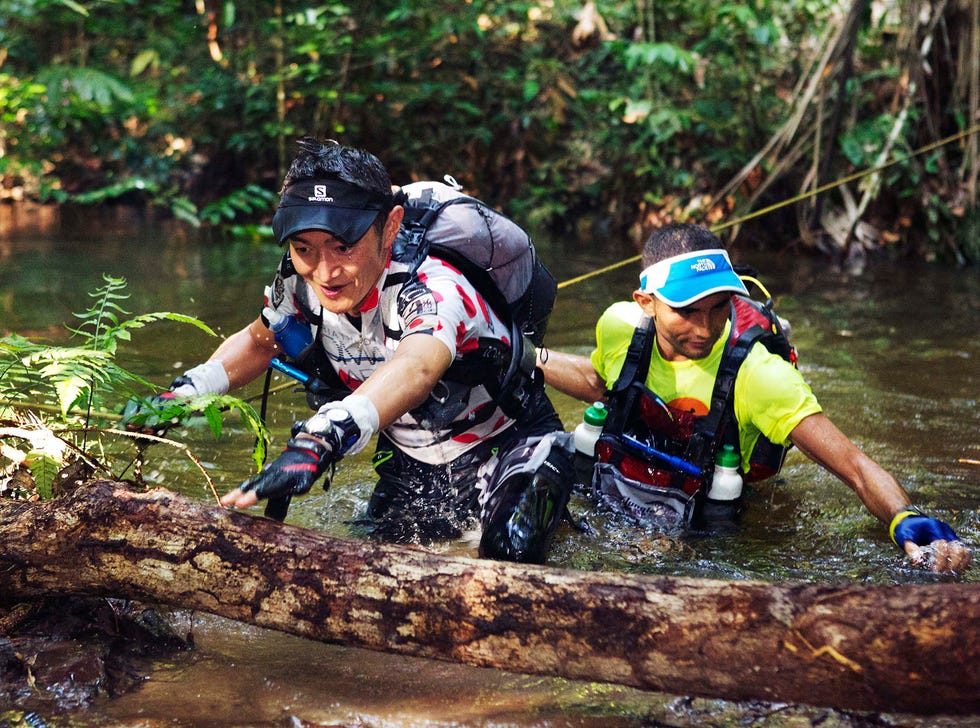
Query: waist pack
{"x": 497, "y": 256}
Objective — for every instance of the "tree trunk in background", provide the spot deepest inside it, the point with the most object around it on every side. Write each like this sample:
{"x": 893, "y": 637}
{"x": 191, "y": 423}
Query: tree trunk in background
{"x": 892, "y": 648}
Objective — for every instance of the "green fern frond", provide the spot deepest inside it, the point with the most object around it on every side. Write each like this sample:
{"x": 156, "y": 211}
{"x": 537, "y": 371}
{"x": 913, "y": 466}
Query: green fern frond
{"x": 88, "y": 84}
{"x": 44, "y": 468}
{"x": 139, "y": 322}
{"x": 75, "y": 384}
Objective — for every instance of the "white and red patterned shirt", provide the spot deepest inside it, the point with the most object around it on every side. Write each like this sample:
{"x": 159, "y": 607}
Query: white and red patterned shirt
{"x": 443, "y": 304}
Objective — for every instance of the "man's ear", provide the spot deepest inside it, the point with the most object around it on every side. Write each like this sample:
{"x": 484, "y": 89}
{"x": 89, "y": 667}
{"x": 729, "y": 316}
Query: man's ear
{"x": 392, "y": 224}
{"x": 645, "y": 301}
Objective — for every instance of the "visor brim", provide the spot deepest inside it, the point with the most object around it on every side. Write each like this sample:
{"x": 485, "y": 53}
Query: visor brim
{"x": 347, "y": 224}
{"x": 684, "y": 293}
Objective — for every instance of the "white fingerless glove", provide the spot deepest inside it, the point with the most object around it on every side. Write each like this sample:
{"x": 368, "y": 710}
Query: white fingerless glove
{"x": 207, "y": 378}
{"x": 358, "y": 408}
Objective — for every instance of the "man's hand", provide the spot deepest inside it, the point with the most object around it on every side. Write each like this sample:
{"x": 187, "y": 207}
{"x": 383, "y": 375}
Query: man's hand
{"x": 351, "y": 422}
{"x": 152, "y": 415}
{"x": 301, "y": 463}
{"x": 155, "y": 415}
{"x": 930, "y": 542}
{"x": 336, "y": 429}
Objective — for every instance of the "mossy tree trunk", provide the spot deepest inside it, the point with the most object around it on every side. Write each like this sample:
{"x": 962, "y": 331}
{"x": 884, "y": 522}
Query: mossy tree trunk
{"x": 893, "y": 648}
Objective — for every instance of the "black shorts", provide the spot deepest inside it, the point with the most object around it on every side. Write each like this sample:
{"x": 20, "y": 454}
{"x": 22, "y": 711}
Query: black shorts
{"x": 416, "y": 501}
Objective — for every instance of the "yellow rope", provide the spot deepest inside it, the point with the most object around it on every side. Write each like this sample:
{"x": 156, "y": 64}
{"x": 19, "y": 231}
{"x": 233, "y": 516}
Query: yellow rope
{"x": 758, "y": 283}
{"x": 802, "y": 196}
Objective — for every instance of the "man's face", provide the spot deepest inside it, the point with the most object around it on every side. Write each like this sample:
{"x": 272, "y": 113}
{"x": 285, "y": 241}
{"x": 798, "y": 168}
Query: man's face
{"x": 689, "y": 332}
{"x": 342, "y": 275}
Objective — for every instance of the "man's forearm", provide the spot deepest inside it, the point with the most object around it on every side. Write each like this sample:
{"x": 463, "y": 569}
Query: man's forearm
{"x": 246, "y": 354}
{"x": 821, "y": 441}
{"x": 571, "y": 374}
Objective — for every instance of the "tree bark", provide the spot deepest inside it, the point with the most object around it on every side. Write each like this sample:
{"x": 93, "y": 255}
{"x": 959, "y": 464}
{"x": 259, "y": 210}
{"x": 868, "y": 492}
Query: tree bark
{"x": 909, "y": 648}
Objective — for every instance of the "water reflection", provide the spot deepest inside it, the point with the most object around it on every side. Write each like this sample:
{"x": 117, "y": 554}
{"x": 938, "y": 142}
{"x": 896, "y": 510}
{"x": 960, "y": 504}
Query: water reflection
{"x": 891, "y": 356}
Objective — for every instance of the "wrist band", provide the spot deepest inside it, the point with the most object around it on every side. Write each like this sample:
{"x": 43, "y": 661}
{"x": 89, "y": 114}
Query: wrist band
{"x": 310, "y": 436}
{"x": 207, "y": 378}
{"x": 899, "y": 517}
{"x": 365, "y": 416}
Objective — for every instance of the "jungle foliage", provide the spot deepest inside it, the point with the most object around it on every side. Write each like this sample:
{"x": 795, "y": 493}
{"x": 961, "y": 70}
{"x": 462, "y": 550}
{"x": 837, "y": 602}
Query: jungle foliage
{"x": 626, "y": 112}
{"x": 58, "y": 404}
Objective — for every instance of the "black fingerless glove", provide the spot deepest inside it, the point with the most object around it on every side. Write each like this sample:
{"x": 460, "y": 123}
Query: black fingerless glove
{"x": 301, "y": 463}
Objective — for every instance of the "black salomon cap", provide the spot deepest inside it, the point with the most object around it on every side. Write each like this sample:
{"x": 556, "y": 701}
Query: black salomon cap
{"x": 344, "y": 210}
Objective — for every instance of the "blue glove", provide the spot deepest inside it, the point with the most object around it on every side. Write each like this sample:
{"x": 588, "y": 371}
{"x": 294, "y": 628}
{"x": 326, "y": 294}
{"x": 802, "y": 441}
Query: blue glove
{"x": 912, "y": 525}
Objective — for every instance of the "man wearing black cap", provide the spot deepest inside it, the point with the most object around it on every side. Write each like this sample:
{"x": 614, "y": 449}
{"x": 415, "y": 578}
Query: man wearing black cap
{"x": 446, "y": 451}
{"x": 687, "y": 288}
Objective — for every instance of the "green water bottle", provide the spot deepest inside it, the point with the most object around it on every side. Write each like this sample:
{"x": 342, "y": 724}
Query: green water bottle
{"x": 589, "y": 429}
{"x": 726, "y": 485}
{"x": 585, "y": 436}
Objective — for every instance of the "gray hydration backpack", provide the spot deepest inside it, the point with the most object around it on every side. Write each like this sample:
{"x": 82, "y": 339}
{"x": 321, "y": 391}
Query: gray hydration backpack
{"x": 497, "y": 256}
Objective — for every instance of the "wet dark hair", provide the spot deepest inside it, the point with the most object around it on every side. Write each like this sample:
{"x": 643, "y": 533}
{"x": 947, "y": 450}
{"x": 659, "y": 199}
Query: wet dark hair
{"x": 329, "y": 159}
{"x": 677, "y": 239}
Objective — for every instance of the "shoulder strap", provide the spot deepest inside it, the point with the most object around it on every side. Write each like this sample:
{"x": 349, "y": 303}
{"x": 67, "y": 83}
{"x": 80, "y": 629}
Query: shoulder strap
{"x": 635, "y": 365}
{"x": 637, "y": 355}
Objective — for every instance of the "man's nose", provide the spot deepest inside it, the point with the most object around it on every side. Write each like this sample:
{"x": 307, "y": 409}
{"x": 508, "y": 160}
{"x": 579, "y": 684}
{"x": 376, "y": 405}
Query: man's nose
{"x": 701, "y": 321}
{"x": 326, "y": 268}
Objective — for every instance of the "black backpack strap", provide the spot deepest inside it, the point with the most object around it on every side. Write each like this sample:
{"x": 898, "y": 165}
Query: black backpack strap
{"x": 413, "y": 245}
{"x": 637, "y": 355}
{"x": 634, "y": 370}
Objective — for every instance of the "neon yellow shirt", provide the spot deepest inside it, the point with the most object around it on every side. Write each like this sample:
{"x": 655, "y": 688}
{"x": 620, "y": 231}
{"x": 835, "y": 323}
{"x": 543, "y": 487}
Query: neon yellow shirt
{"x": 771, "y": 396}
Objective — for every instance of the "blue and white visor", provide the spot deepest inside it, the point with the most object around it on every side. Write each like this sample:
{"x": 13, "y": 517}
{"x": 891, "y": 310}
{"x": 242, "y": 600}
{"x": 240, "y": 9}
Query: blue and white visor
{"x": 686, "y": 278}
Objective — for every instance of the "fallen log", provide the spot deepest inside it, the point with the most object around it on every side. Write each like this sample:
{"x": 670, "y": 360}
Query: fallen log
{"x": 888, "y": 648}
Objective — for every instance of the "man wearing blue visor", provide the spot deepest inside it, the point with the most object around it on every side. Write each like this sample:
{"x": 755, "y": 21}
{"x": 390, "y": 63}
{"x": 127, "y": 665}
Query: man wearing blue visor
{"x": 662, "y": 360}
{"x": 399, "y": 345}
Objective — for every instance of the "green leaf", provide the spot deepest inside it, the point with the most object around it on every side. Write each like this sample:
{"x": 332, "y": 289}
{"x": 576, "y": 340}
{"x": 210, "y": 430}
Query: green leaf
{"x": 69, "y": 390}
{"x": 851, "y": 148}
{"x": 88, "y": 84}
{"x": 531, "y": 89}
{"x": 143, "y": 60}
{"x": 76, "y": 7}
{"x": 44, "y": 468}
{"x": 115, "y": 190}
{"x": 213, "y": 415}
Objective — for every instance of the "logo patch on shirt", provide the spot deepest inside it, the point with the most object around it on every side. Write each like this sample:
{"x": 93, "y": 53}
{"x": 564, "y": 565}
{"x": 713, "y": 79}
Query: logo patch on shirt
{"x": 278, "y": 291}
{"x": 417, "y": 302}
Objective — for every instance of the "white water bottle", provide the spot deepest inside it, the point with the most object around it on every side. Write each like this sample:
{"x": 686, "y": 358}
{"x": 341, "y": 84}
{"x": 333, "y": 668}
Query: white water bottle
{"x": 589, "y": 429}
{"x": 726, "y": 485}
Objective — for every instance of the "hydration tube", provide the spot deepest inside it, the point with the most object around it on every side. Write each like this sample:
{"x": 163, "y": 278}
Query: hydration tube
{"x": 288, "y": 369}
{"x": 679, "y": 463}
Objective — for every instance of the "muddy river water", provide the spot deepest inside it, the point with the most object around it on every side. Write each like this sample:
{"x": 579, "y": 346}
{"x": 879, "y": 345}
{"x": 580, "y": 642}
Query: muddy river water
{"x": 893, "y": 355}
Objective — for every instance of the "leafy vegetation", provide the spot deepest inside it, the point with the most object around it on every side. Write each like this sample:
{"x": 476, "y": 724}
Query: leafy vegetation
{"x": 50, "y": 396}
{"x": 629, "y": 112}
